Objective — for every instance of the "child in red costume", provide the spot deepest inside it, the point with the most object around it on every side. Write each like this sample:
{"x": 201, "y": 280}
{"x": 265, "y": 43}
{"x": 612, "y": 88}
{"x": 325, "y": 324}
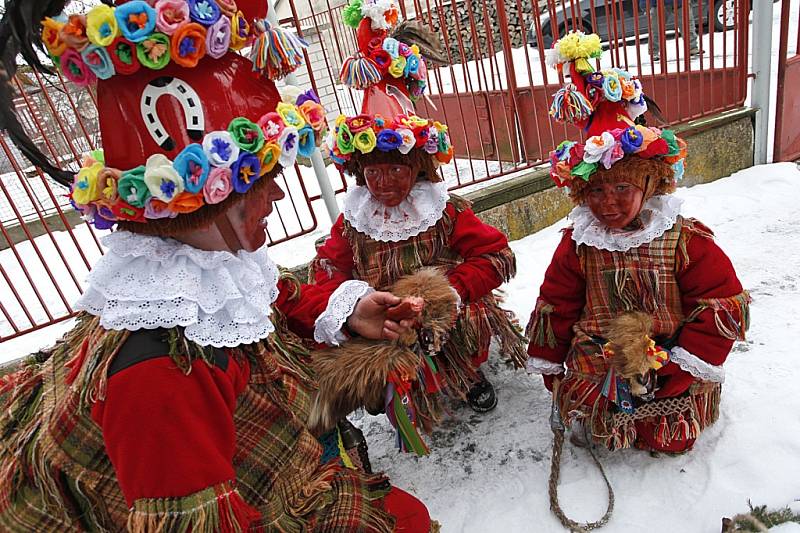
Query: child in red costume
{"x": 630, "y": 269}
{"x": 179, "y": 401}
{"x": 400, "y": 217}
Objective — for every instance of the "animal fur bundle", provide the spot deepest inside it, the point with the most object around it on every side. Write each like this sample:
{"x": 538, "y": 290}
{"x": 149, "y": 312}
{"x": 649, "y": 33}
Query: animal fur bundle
{"x": 629, "y": 339}
{"x": 355, "y": 374}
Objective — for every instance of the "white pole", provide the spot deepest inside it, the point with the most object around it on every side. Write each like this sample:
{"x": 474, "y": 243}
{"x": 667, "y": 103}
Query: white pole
{"x": 317, "y": 163}
{"x": 760, "y": 87}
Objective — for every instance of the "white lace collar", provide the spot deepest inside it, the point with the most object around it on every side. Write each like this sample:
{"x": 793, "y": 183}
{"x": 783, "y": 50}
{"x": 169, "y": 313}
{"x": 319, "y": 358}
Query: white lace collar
{"x": 420, "y": 210}
{"x": 657, "y": 215}
{"x": 222, "y": 299}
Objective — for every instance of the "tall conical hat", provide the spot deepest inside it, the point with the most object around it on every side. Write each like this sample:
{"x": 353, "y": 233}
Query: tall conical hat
{"x": 187, "y": 123}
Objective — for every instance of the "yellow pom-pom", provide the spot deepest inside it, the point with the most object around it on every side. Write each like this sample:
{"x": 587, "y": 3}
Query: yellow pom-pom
{"x": 568, "y": 45}
{"x": 589, "y": 46}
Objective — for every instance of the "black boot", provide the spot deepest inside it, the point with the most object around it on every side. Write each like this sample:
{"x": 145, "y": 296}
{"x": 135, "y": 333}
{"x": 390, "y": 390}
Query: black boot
{"x": 481, "y": 396}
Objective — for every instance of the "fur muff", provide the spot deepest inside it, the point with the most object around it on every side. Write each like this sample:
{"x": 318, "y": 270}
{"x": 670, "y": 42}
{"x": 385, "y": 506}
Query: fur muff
{"x": 629, "y": 338}
{"x": 355, "y": 374}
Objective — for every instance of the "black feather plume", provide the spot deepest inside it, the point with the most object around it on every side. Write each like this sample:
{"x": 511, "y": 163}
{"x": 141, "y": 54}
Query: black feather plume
{"x": 20, "y": 33}
{"x": 430, "y": 45}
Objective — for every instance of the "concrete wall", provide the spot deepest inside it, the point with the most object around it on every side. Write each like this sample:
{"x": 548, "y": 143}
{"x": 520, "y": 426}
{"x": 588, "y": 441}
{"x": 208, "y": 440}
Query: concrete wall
{"x": 718, "y": 146}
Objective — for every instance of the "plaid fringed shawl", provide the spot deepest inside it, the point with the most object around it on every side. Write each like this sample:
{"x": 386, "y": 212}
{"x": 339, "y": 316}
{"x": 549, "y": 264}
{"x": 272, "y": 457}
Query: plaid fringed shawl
{"x": 55, "y": 474}
{"x": 382, "y": 263}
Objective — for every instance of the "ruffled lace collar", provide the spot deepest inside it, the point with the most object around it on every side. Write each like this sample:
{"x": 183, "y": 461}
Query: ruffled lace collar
{"x": 146, "y": 282}
{"x": 421, "y": 209}
{"x": 657, "y": 216}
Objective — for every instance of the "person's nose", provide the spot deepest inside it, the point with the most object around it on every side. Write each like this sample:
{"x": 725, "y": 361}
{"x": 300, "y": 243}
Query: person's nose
{"x": 275, "y": 191}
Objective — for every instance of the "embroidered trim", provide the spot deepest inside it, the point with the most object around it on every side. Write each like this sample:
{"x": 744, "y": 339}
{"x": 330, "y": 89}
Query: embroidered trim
{"x": 658, "y": 215}
{"x": 537, "y": 365}
{"x": 422, "y": 208}
{"x": 328, "y": 326}
{"x": 146, "y": 282}
{"x": 696, "y": 366}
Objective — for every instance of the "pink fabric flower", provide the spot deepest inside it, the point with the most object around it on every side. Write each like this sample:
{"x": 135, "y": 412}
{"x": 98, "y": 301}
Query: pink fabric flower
{"x": 171, "y": 15}
{"x": 272, "y": 125}
{"x": 218, "y": 185}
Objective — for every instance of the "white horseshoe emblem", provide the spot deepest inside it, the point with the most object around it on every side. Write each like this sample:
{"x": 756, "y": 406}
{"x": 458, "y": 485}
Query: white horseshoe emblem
{"x": 189, "y": 100}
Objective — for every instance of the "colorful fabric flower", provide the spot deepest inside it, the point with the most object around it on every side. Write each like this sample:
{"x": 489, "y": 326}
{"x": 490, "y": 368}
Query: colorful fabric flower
{"x": 73, "y": 33}
{"x": 397, "y": 67}
{"x": 412, "y": 65}
{"x": 246, "y": 134}
{"x": 136, "y": 20}
{"x": 218, "y": 186}
{"x": 583, "y": 170}
{"x": 132, "y": 188}
{"x": 678, "y": 169}
{"x": 307, "y": 96}
{"x": 186, "y": 202}
{"x": 220, "y": 149}
{"x": 290, "y": 114}
{"x": 269, "y": 155}
{"x": 51, "y": 37}
{"x": 155, "y": 209}
{"x": 271, "y": 125}
{"x": 562, "y": 150}
{"x": 598, "y": 145}
{"x": 612, "y": 89}
{"x": 389, "y": 140}
{"x": 124, "y": 211}
{"x": 431, "y": 145}
{"x": 364, "y": 141}
{"x": 611, "y": 156}
{"x": 171, "y": 15}
{"x": 103, "y": 223}
{"x": 306, "y": 141}
{"x": 188, "y": 45}
{"x": 240, "y": 31}
{"x": 628, "y": 89}
{"x": 107, "y": 181}
{"x": 245, "y": 171}
{"x": 97, "y": 59}
{"x": 86, "y": 187}
{"x": 382, "y": 60}
{"x": 205, "y": 12}
{"x": 153, "y": 51}
{"x": 218, "y": 38}
{"x": 314, "y": 114}
{"x": 656, "y": 148}
{"x": 359, "y": 123}
{"x": 192, "y": 165}
{"x": 101, "y": 25}
{"x": 391, "y": 46}
{"x": 289, "y": 145}
{"x": 227, "y": 8}
{"x": 631, "y": 140}
{"x": 123, "y": 55}
{"x": 595, "y": 79}
{"x": 344, "y": 140}
{"x": 407, "y": 140}
{"x": 161, "y": 178}
{"x": 648, "y": 136}
{"x": 75, "y": 70}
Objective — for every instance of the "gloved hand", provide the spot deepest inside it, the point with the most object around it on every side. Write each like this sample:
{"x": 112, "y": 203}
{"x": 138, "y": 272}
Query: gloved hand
{"x": 675, "y": 380}
{"x": 548, "y": 380}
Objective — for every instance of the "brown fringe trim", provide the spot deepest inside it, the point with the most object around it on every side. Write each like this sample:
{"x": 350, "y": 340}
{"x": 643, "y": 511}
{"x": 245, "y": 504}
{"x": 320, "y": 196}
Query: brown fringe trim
{"x": 636, "y": 290}
{"x": 436, "y": 527}
{"x": 320, "y": 264}
{"x": 731, "y": 315}
{"x": 540, "y": 329}
{"x": 216, "y": 509}
{"x": 504, "y": 263}
{"x": 689, "y": 227}
{"x": 292, "y": 283}
{"x": 683, "y": 417}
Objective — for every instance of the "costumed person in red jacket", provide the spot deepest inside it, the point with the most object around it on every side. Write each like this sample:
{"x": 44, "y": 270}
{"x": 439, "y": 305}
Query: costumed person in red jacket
{"x": 179, "y": 401}
{"x": 639, "y": 307}
{"x": 399, "y": 218}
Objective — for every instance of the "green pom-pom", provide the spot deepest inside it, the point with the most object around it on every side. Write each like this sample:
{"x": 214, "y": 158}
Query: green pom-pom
{"x": 351, "y": 15}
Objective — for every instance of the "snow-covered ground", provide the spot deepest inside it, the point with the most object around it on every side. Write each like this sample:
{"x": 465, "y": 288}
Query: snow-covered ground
{"x": 489, "y": 473}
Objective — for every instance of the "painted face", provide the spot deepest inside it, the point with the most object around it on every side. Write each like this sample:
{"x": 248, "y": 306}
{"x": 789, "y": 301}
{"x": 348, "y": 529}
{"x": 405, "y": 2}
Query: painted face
{"x": 390, "y": 183}
{"x": 615, "y": 204}
{"x": 249, "y": 217}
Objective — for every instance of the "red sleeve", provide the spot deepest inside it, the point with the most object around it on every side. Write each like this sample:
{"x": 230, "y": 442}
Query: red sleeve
{"x": 170, "y": 434}
{"x": 712, "y": 299}
{"x": 561, "y": 301}
{"x": 302, "y": 304}
{"x": 334, "y": 261}
{"x": 488, "y": 261}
